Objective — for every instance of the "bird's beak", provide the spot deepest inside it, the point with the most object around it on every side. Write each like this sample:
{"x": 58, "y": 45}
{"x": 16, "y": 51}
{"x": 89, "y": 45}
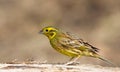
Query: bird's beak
{"x": 41, "y": 31}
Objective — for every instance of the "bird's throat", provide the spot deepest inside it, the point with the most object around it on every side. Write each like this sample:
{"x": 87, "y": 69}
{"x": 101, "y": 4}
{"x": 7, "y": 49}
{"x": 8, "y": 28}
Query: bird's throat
{"x": 52, "y": 35}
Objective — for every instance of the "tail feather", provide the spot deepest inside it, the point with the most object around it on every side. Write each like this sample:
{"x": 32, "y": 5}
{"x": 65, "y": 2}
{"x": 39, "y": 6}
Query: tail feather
{"x": 107, "y": 61}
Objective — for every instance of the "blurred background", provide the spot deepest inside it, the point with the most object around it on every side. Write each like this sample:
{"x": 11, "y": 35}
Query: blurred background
{"x": 97, "y": 22}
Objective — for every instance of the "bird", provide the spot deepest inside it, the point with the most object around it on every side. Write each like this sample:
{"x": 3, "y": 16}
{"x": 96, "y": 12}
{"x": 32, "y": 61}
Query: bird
{"x": 69, "y": 45}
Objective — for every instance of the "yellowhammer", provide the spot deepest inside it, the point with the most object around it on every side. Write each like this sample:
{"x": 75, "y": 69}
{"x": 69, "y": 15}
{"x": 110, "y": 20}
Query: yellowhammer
{"x": 69, "y": 45}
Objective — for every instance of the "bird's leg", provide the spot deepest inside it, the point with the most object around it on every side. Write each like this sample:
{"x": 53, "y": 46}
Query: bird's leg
{"x": 73, "y": 60}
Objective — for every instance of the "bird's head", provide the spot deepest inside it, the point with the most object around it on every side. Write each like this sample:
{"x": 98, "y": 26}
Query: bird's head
{"x": 49, "y": 31}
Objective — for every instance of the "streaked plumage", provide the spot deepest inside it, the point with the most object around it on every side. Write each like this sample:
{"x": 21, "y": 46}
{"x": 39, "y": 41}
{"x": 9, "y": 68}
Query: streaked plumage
{"x": 69, "y": 45}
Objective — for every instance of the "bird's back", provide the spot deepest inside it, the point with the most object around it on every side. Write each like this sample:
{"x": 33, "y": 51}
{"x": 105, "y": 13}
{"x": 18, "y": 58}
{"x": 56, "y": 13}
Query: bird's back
{"x": 70, "y": 46}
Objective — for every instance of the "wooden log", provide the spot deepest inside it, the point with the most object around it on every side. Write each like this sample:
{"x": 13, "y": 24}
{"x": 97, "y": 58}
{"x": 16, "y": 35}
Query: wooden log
{"x": 56, "y": 68}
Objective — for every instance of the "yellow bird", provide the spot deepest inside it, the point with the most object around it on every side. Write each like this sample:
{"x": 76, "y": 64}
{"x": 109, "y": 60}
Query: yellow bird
{"x": 68, "y": 45}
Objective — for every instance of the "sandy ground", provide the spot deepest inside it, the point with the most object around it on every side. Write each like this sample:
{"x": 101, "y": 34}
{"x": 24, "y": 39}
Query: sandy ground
{"x": 55, "y": 68}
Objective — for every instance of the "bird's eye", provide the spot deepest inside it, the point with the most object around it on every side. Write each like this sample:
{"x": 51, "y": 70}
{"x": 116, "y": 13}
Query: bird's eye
{"x": 46, "y": 30}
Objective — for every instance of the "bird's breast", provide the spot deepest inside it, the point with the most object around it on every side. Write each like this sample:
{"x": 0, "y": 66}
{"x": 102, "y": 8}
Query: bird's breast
{"x": 66, "y": 51}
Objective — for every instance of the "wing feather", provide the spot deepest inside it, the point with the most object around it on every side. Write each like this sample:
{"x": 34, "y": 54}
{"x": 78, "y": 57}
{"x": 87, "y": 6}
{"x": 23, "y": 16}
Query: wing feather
{"x": 71, "y": 42}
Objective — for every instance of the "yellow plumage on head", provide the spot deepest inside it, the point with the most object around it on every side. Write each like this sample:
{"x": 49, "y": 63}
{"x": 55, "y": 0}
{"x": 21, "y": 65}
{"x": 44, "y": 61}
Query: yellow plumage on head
{"x": 68, "y": 45}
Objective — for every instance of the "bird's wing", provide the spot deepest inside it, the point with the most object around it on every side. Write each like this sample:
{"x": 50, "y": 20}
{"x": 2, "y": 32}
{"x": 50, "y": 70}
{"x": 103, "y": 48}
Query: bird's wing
{"x": 69, "y": 41}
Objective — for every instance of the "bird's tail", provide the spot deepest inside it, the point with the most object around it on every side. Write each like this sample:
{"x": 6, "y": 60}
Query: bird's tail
{"x": 106, "y": 60}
